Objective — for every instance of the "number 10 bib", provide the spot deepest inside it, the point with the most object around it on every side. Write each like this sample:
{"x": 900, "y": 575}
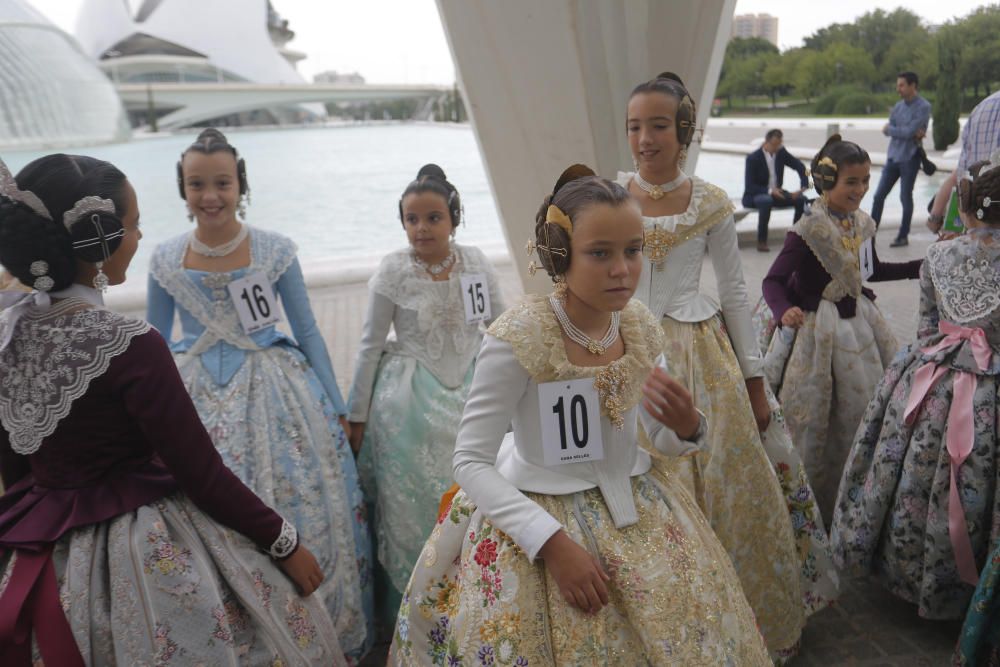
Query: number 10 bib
{"x": 571, "y": 421}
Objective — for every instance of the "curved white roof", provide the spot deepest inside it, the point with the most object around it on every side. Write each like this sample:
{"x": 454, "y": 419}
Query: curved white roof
{"x": 233, "y": 34}
{"x": 51, "y": 93}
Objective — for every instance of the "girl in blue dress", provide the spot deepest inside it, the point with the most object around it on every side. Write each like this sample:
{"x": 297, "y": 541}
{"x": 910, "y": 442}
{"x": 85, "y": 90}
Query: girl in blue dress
{"x": 270, "y": 403}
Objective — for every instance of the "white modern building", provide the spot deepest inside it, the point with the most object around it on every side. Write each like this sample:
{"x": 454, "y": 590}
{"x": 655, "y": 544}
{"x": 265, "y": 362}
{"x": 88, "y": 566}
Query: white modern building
{"x": 764, "y": 26}
{"x": 191, "y": 42}
{"x": 51, "y": 93}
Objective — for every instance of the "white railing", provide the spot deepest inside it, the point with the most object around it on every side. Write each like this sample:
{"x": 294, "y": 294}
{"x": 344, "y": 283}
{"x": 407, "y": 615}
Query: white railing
{"x": 338, "y": 293}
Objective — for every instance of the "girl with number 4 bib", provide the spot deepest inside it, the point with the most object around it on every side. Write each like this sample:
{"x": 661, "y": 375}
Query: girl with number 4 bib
{"x": 271, "y": 404}
{"x": 842, "y": 343}
{"x": 560, "y": 549}
{"x": 408, "y": 394}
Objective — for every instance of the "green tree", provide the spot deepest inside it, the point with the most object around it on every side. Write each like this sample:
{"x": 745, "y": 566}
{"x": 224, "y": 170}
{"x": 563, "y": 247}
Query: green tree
{"x": 979, "y": 33}
{"x": 913, "y": 52}
{"x": 948, "y": 100}
{"x": 736, "y": 78}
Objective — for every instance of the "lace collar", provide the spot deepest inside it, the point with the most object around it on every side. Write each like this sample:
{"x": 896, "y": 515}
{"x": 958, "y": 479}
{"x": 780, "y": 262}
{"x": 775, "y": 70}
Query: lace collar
{"x": 966, "y": 275}
{"x": 824, "y": 234}
{"x": 533, "y": 333}
{"x": 54, "y": 354}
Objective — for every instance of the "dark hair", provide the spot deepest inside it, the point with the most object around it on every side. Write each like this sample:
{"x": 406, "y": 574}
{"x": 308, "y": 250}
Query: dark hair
{"x": 971, "y": 194}
{"x": 209, "y": 141}
{"x": 841, "y": 153}
{"x": 60, "y": 181}
{"x": 431, "y": 178}
{"x": 911, "y": 78}
{"x": 771, "y": 134}
{"x": 670, "y": 84}
{"x": 577, "y": 189}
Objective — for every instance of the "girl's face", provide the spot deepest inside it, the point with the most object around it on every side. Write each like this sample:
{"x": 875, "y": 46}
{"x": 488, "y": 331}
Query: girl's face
{"x": 606, "y": 255}
{"x": 211, "y": 187}
{"x": 116, "y": 267}
{"x": 852, "y": 184}
{"x": 652, "y": 131}
{"x": 427, "y": 224}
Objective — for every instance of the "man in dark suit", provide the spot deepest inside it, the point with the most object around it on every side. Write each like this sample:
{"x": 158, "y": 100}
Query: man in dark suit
{"x": 765, "y": 172}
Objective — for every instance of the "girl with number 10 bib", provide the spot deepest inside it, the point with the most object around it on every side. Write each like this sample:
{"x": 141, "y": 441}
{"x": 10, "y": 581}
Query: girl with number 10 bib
{"x": 560, "y": 549}
{"x": 270, "y": 404}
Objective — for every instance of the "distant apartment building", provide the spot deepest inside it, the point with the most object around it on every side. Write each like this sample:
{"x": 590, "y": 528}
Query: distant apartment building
{"x": 764, "y": 26}
{"x": 333, "y": 76}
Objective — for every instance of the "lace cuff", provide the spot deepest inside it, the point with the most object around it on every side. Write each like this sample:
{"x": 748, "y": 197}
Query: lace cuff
{"x": 288, "y": 540}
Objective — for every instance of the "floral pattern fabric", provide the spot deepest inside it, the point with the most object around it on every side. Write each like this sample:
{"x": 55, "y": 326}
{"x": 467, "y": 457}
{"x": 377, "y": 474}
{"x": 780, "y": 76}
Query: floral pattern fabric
{"x": 979, "y": 642}
{"x": 166, "y": 585}
{"x": 475, "y": 599}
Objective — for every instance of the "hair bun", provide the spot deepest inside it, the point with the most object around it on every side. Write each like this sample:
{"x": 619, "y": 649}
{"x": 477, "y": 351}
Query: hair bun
{"x": 670, "y": 76}
{"x": 572, "y": 173}
{"x": 431, "y": 170}
{"x": 211, "y": 133}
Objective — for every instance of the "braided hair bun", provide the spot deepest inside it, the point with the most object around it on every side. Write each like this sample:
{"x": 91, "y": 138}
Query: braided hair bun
{"x": 431, "y": 178}
{"x": 973, "y": 195}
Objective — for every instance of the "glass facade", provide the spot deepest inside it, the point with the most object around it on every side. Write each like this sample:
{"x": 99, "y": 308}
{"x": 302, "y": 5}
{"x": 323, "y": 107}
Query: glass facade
{"x": 51, "y": 93}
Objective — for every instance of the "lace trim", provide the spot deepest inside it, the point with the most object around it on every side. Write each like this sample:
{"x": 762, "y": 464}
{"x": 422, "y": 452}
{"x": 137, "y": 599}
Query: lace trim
{"x": 287, "y": 540}
{"x": 822, "y": 234}
{"x": 708, "y": 202}
{"x": 51, "y": 361}
{"x": 269, "y": 252}
{"x": 968, "y": 284}
{"x": 533, "y": 333}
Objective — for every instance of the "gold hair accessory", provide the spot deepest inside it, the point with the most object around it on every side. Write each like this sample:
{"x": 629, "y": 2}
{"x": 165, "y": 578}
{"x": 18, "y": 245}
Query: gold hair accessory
{"x": 555, "y": 216}
{"x": 828, "y": 162}
{"x": 532, "y": 268}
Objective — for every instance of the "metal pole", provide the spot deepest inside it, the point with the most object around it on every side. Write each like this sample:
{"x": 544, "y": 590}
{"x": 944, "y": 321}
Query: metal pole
{"x": 151, "y": 108}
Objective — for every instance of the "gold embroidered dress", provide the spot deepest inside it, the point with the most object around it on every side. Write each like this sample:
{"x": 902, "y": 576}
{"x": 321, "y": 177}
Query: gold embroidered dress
{"x": 734, "y": 478}
{"x": 478, "y": 595}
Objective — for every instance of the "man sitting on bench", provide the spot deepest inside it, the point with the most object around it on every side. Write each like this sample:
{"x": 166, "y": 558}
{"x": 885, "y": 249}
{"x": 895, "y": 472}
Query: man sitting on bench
{"x": 765, "y": 170}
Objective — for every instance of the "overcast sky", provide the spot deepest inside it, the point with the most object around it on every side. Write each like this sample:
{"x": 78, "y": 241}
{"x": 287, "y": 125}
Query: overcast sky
{"x": 401, "y": 41}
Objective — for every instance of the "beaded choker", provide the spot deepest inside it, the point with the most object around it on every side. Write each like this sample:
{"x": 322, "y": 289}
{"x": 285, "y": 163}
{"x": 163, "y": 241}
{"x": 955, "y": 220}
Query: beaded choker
{"x": 657, "y": 191}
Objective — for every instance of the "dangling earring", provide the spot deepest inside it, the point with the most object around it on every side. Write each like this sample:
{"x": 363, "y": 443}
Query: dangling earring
{"x": 190, "y": 214}
{"x": 101, "y": 279}
{"x": 682, "y": 158}
{"x": 825, "y": 198}
{"x": 561, "y": 289}
{"x": 635, "y": 164}
{"x": 241, "y": 208}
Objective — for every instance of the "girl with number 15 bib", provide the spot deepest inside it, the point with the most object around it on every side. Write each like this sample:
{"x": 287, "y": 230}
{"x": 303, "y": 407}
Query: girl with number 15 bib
{"x": 271, "y": 404}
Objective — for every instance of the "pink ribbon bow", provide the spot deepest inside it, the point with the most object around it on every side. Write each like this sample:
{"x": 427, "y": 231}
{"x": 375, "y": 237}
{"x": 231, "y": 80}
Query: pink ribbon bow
{"x": 961, "y": 429}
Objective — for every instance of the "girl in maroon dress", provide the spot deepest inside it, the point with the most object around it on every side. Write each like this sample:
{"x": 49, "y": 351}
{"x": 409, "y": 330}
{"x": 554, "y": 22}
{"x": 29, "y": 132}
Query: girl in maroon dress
{"x": 124, "y": 539}
{"x": 816, "y": 291}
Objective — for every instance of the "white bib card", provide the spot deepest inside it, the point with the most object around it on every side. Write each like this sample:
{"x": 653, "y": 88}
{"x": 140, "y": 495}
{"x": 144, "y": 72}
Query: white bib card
{"x": 571, "y": 421}
{"x": 867, "y": 259}
{"x": 255, "y": 302}
{"x": 476, "y": 296}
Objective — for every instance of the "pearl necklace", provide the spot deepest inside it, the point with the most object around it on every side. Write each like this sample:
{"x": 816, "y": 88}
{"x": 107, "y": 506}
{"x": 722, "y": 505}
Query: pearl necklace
{"x": 435, "y": 269}
{"x": 574, "y": 334}
{"x": 656, "y": 192}
{"x": 226, "y": 248}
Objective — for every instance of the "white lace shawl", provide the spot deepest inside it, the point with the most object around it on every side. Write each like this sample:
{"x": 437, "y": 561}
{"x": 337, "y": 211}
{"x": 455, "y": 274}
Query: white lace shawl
{"x": 270, "y": 253}
{"x": 430, "y": 319}
{"x": 966, "y": 277}
{"x": 54, "y": 355}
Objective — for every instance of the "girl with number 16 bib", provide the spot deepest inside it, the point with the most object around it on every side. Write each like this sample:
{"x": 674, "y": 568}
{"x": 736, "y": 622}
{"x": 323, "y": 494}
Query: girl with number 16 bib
{"x": 270, "y": 404}
{"x": 560, "y": 549}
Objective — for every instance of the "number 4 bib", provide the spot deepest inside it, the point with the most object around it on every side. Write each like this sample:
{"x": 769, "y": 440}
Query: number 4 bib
{"x": 255, "y": 302}
{"x": 571, "y": 422}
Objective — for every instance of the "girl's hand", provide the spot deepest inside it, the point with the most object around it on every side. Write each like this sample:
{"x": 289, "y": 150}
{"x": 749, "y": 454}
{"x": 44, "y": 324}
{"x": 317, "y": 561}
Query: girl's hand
{"x": 302, "y": 568}
{"x": 581, "y": 579}
{"x": 346, "y": 425}
{"x": 356, "y": 437}
{"x": 670, "y": 404}
{"x": 758, "y": 402}
{"x": 793, "y": 317}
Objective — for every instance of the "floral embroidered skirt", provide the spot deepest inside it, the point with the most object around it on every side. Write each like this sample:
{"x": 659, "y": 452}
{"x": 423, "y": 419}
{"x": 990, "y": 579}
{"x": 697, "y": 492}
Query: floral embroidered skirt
{"x": 275, "y": 428}
{"x": 833, "y": 368}
{"x": 475, "y": 599}
{"x": 405, "y": 462}
{"x": 893, "y": 506}
{"x": 979, "y": 642}
{"x": 166, "y": 585}
{"x": 735, "y": 482}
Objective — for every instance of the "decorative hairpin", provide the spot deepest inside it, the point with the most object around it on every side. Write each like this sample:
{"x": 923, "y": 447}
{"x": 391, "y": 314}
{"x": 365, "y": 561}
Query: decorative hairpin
{"x": 40, "y": 270}
{"x": 86, "y": 206}
{"x": 987, "y": 201}
{"x": 555, "y": 215}
{"x": 9, "y": 189}
{"x": 827, "y": 161}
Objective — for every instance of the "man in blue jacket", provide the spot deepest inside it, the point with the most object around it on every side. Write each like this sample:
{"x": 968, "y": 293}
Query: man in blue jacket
{"x": 764, "y": 175}
{"x": 906, "y": 129}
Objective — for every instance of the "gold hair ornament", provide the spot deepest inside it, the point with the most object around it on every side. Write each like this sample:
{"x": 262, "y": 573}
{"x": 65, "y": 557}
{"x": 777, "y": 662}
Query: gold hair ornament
{"x": 553, "y": 216}
{"x": 827, "y": 161}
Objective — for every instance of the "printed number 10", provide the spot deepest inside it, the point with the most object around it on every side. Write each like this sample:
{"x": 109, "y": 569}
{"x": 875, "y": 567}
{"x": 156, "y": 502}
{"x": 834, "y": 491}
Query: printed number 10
{"x": 577, "y": 413}
{"x": 258, "y": 297}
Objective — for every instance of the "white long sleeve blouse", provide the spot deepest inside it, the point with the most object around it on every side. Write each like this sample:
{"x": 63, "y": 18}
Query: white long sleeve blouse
{"x": 521, "y": 351}
{"x": 671, "y": 287}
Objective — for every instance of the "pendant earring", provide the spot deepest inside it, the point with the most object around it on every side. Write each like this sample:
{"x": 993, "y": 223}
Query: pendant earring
{"x": 635, "y": 164}
{"x": 682, "y": 158}
{"x": 101, "y": 279}
{"x": 560, "y": 289}
{"x": 190, "y": 215}
{"x": 241, "y": 208}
